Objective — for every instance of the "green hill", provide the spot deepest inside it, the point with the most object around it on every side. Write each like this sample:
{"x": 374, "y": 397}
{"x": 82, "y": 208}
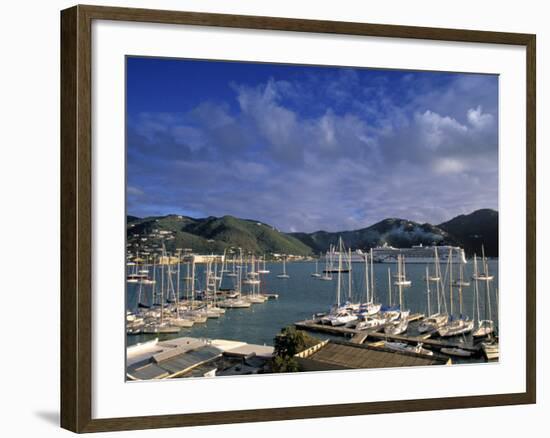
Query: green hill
{"x": 467, "y": 231}
{"x": 475, "y": 229}
{"x": 395, "y": 232}
{"x": 213, "y": 234}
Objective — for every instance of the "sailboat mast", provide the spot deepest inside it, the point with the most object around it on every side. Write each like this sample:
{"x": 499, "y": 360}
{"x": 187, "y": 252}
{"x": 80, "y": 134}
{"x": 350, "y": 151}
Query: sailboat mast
{"x": 140, "y": 290}
{"x": 162, "y": 288}
{"x": 367, "y": 278}
{"x": 438, "y": 276}
{"x": 193, "y": 283}
{"x": 389, "y": 286}
{"x": 451, "y": 278}
{"x": 178, "y": 289}
{"x": 461, "y": 277}
{"x": 488, "y": 297}
{"x": 154, "y": 288}
{"x": 476, "y": 289}
{"x": 400, "y": 280}
{"x": 371, "y": 277}
{"x": 428, "y": 290}
{"x": 349, "y": 276}
{"x": 339, "y": 277}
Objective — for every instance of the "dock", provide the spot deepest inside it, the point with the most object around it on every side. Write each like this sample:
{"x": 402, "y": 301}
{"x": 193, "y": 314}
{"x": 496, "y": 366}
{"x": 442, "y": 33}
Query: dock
{"x": 491, "y": 351}
{"x": 361, "y": 336}
{"x": 314, "y": 325}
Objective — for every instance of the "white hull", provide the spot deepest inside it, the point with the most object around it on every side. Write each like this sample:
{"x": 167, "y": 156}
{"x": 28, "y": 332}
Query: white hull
{"x": 405, "y": 348}
{"x": 184, "y": 323}
{"x": 234, "y": 304}
{"x": 418, "y": 260}
{"x": 397, "y": 327}
{"x": 456, "y": 328}
{"x": 370, "y": 323}
{"x": 456, "y": 352}
{"x": 342, "y": 320}
{"x": 433, "y": 323}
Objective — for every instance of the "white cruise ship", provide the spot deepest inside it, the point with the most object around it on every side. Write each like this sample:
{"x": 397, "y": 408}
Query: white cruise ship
{"x": 419, "y": 254}
{"x": 416, "y": 254}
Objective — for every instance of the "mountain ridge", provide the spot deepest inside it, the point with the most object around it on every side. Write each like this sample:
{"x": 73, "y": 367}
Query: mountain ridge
{"x": 214, "y": 234}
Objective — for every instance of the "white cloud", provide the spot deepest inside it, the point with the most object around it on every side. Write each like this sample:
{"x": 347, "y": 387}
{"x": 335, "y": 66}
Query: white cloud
{"x": 302, "y": 167}
{"x": 448, "y": 165}
{"x": 479, "y": 119}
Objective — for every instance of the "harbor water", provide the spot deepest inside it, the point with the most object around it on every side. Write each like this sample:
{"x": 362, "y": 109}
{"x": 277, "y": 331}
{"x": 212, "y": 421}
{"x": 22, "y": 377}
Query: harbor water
{"x": 302, "y": 295}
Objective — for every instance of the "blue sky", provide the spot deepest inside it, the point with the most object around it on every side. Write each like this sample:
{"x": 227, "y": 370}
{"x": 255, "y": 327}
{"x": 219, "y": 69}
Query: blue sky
{"x": 306, "y": 148}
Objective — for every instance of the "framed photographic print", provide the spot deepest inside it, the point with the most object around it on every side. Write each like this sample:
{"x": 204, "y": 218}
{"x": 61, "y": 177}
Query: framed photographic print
{"x": 268, "y": 218}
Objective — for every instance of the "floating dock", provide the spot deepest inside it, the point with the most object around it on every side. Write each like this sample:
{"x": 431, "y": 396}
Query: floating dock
{"x": 360, "y": 336}
{"x": 491, "y": 351}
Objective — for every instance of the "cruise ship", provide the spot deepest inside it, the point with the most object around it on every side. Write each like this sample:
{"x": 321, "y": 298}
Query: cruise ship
{"x": 416, "y": 254}
{"x": 419, "y": 254}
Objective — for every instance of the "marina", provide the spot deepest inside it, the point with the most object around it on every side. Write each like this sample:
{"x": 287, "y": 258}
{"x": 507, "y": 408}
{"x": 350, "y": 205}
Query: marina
{"x": 379, "y": 307}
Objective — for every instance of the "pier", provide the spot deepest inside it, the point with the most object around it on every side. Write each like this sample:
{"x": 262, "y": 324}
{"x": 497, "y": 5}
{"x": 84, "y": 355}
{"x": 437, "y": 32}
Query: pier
{"x": 359, "y": 337}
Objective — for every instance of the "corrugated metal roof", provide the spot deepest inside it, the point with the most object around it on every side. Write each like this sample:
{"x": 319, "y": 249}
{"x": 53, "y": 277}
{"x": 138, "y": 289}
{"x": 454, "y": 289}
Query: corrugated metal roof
{"x": 190, "y": 359}
{"x": 149, "y": 371}
{"x": 352, "y": 356}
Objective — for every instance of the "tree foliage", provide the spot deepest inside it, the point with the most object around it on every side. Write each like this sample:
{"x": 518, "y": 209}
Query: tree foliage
{"x": 288, "y": 343}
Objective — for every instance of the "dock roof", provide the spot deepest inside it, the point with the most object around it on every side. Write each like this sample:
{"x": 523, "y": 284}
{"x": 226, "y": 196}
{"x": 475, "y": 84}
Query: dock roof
{"x": 335, "y": 355}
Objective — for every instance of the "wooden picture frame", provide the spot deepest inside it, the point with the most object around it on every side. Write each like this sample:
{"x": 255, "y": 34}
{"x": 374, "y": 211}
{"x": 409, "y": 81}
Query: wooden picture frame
{"x": 76, "y": 217}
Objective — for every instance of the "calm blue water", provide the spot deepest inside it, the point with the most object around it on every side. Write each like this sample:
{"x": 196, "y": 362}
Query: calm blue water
{"x": 301, "y": 295}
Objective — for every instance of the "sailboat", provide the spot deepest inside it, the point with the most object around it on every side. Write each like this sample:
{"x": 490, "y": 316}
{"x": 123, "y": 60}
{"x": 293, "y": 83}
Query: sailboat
{"x": 434, "y": 320}
{"x": 402, "y": 347}
{"x": 485, "y": 327}
{"x": 316, "y": 273}
{"x": 166, "y": 322}
{"x": 327, "y": 276}
{"x": 254, "y": 295}
{"x": 456, "y": 351}
{"x": 233, "y": 272}
{"x": 401, "y": 277}
{"x": 371, "y": 318}
{"x": 211, "y": 288}
{"x": 284, "y": 274}
{"x": 461, "y": 282}
{"x": 456, "y": 326}
{"x": 399, "y": 325}
{"x": 485, "y": 276}
{"x": 252, "y": 275}
{"x": 330, "y": 268}
{"x": 340, "y": 314}
{"x": 176, "y": 319}
{"x": 369, "y": 308}
{"x": 133, "y": 276}
{"x": 264, "y": 270}
{"x": 141, "y": 304}
{"x": 236, "y": 302}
